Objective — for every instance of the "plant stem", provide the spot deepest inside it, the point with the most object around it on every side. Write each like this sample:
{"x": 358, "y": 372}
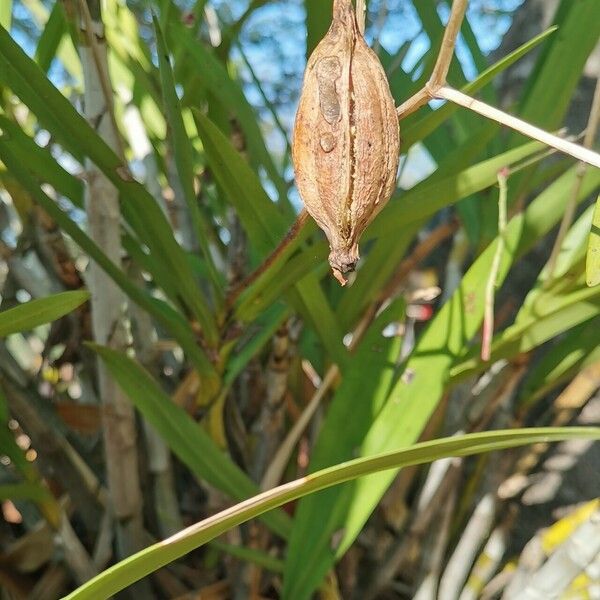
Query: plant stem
{"x": 104, "y": 221}
{"x": 490, "y": 290}
{"x": 442, "y": 65}
{"x": 436, "y": 87}
{"x": 574, "y": 150}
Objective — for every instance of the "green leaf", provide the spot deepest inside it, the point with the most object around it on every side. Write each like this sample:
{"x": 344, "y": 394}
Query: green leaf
{"x": 183, "y": 435}
{"x": 261, "y": 219}
{"x": 40, "y": 162}
{"x": 52, "y": 34}
{"x": 576, "y": 349}
{"x": 592, "y": 266}
{"x": 214, "y": 77}
{"x": 140, "y": 209}
{"x": 64, "y": 50}
{"x": 165, "y": 314}
{"x": 149, "y": 560}
{"x": 277, "y": 282}
{"x": 24, "y": 491}
{"x": 318, "y": 19}
{"x": 6, "y": 14}
{"x": 183, "y": 154}
{"x": 559, "y": 69}
{"x": 38, "y": 312}
{"x": 250, "y": 555}
{"x": 414, "y": 397}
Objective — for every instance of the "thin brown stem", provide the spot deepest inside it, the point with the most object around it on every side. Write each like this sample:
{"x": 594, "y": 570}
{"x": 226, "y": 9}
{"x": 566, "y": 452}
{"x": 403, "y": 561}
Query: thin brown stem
{"x": 291, "y": 235}
{"x": 442, "y": 65}
{"x": 436, "y": 87}
{"x": 274, "y": 472}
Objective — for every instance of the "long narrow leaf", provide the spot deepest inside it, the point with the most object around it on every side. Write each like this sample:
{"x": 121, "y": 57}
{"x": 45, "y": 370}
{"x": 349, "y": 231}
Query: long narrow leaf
{"x": 412, "y": 400}
{"x": 29, "y": 82}
{"x": 147, "y": 561}
{"x": 6, "y": 14}
{"x": 183, "y": 153}
{"x": 592, "y": 266}
{"x": 38, "y": 312}
{"x": 183, "y": 435}
{"x": 166, "y": 315}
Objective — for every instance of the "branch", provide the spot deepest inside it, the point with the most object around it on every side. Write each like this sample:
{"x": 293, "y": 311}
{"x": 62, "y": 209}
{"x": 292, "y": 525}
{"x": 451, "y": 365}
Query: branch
{"x": 275, "y": 470}
{"x": 436, "y": 88}
{"x": 574, "y": 150}
{"x": 442, "y": 65}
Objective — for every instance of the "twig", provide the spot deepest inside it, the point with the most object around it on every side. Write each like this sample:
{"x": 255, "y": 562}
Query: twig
{"x": 490, "y": 290}
{"x": 442, "y": 65}
{"x": 574, "y": 150}
{"x": 275, "y": 470}
{"x": 588, "y": 142}
{"x": 436, "y": 87}
{"x": 76, "y": 556}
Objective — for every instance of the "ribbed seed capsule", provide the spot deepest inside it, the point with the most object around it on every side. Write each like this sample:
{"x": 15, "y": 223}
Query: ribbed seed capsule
{"x": 346, "y": 139}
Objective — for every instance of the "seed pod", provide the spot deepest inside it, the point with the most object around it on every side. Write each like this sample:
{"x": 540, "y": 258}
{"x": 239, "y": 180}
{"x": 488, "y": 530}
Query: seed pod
{"x": 346, "y": 139}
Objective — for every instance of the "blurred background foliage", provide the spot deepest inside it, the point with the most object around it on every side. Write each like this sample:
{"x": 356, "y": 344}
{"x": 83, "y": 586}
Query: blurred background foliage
{"x": 145, "y": 157}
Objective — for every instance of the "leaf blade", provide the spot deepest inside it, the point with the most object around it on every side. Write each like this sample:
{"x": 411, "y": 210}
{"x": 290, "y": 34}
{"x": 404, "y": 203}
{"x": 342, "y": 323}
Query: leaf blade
{"x": 137, "y": 566}
{"x": 38, "y": 312}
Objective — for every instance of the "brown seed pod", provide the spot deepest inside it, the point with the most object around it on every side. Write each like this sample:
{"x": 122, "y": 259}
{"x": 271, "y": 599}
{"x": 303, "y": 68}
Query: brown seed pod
{"x": 346, "y": 138}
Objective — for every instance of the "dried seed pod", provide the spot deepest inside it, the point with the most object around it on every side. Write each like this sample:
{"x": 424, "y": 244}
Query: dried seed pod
{"x": 346, "y": 139}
